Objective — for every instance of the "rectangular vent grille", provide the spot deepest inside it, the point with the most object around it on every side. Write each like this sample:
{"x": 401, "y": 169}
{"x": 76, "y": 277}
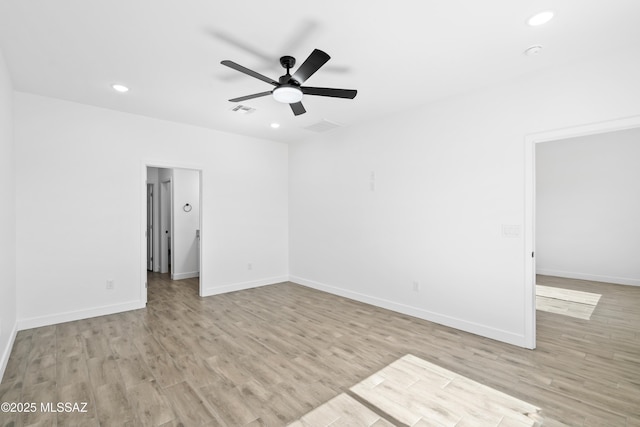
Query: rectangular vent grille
{"x": 323, "y": 126}
{"x": 243, "y": 109}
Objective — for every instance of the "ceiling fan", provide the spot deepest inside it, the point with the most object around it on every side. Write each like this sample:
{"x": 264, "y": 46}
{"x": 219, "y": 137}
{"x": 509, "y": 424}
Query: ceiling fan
{"x": 288, "y": 89}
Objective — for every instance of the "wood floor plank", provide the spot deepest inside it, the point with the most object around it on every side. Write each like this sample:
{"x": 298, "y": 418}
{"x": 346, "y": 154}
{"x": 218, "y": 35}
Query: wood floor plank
{"x": 10, "y": 392}
{"x": 71, "y": 370}
{"x": 38, "y": 393}
{"x": 112, "y": 405}
{"x": 134, "y": 370}
{"x": 164, "y": 369}
{"x": 41, "y": 370}
{"x": 190, "y": 406}
{"x": 104, "y": 370}
{"x": 150, "y": 405}
{"x": 269, "y": 355}
{"x": 229, "y": 403}
{"x": 79, "y": 405}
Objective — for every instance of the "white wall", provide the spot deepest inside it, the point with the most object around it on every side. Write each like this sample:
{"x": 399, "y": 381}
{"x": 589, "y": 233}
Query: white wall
{"x": 588, "y": 207}
{"x": 81, "y": 225}
{"x": 7, "y": 218}
{"x": 186, "y": 189}
{"x": 447, "y": 178}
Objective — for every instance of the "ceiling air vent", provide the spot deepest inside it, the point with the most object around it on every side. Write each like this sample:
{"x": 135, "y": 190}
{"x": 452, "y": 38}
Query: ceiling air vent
{"x": 243, "y": 109}
{"x": 322, "y": 126}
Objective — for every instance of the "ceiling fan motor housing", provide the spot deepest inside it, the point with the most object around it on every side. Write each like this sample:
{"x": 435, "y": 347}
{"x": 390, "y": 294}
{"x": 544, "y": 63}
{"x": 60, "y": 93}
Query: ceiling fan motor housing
{"x": 287, "y": 62}
{"x": 287, "y": 80}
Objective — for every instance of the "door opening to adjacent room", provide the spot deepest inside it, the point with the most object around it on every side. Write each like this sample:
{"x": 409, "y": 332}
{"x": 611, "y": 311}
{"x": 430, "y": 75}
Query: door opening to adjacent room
{"x": 173, "y": 226}
{"x": 533, "y": 251}
{"x": 586, "y": 219}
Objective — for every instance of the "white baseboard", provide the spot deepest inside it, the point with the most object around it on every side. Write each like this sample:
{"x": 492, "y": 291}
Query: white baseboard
{"x": 240, "y": 286}
{"x": 188, "y": 275}
{"x": 463, "y": 325}
{"x": 7, "y": 351}
{"x": 587, "y": 276}
{"x": 36, "y": 322}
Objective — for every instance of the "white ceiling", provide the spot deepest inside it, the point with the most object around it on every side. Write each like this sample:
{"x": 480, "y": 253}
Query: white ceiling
{"x": 396, "y": 54}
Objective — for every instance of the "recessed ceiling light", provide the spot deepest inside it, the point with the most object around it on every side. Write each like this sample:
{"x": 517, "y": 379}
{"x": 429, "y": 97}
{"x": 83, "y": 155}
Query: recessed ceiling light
{"x": 120, "y": 88}
{"x": 275, "y": 125}
{"x": 540, "y": 18}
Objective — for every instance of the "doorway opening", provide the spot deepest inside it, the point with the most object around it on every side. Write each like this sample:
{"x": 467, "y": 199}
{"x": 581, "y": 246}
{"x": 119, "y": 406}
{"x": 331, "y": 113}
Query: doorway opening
{"x": 531, "y": 142}
{"x": 172, "y": 215}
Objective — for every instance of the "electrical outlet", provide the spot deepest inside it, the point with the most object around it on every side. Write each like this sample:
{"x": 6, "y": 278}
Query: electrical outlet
{"x": 249, "y": 266}
{"x": 416, "y": 286}
{"x": 110, "y": 284}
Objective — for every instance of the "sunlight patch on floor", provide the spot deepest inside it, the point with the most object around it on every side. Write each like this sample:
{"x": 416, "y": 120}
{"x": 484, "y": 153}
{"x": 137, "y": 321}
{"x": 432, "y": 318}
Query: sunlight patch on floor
{"x": 414, "y": 392}
{"x": 568, "y": 302}
{"x": 342, "y": 410}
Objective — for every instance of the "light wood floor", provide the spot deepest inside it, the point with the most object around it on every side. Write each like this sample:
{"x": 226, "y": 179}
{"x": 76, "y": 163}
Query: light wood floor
{"x": 270, "y": 355}
{"x": 569, "y": 302}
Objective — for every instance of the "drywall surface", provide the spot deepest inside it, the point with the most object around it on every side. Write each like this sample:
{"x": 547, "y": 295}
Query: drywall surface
{"x": 81, "y": 224}
{"x": 7, "y": 218}
{"x": 588, "y": 207}
{"x": 423, "y": 212}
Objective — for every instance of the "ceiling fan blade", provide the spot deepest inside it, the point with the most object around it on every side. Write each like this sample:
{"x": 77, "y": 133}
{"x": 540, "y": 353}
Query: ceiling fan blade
{"x": 249, "y": 72}
{"x": 255, "y": 95}
{"x": 298, "y": 108}
{"x": 312, "y": 64}
{"x": 325, "y": 91}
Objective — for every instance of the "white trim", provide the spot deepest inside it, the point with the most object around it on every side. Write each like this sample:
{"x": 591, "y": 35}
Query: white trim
{"x": 530, "y": 202}
{"x": 143, "y": 237}
{"x": 529, "y": 244}
{"x": 241, "y": 286}
{"x": 585, "y": 130}
{"x": 7, "y": 351}
{"x": 463, "y": 325}
{"x": 70, "y": 316}
{"x": 187, "y": 275}
{"x": 587, "y": 276}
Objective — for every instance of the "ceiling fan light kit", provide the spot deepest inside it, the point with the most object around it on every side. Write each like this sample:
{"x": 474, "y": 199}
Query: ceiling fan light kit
{"x": 288, "y": 89}
{"x": 287, "y": 94}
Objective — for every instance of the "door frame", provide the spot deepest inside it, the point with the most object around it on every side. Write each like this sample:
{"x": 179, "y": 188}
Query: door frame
{"x": 151, "y": 225}
{"x": 154, "y": 163}
{"x": 530, "y": 142}
{"x": 166, "y": 222}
